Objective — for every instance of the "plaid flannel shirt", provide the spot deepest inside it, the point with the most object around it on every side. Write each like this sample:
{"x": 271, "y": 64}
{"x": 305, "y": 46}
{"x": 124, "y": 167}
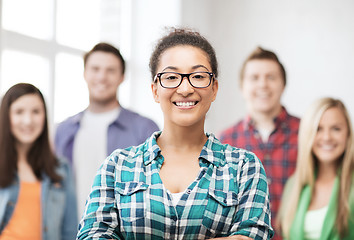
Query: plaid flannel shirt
{"x": 278, "y": 155}
{"x": 129, "y": 201}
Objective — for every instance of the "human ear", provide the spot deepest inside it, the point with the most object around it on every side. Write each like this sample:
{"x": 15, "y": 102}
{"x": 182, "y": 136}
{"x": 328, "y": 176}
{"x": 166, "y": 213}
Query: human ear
{"x": 84, "y": 75}
{"x": 121, "y": 79}
{"x": 215, "y": 88}
{"x": 155, "y": 92}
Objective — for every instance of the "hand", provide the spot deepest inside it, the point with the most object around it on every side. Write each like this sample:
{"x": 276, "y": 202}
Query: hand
{"x": 236, "y": 237}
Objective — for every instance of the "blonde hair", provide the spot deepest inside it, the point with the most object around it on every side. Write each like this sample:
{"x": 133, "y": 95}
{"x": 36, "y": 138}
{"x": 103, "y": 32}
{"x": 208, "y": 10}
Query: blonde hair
{"x": 306, "y": 165}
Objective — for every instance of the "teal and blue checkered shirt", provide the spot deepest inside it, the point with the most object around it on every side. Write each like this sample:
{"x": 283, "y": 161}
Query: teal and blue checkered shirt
{"x": 129, "y": 201}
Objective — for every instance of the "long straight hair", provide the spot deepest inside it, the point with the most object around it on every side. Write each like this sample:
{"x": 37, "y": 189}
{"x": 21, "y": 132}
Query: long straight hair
{"x": 307, "y": 163}
{"x": 40, "y": 157}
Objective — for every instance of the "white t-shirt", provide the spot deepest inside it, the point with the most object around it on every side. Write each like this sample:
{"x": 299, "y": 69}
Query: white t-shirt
{"x": 264, "y": 133}
{"x": 176, "y": 197}
{"x": 90, "y": 149}
{"x": 314, "y": 222}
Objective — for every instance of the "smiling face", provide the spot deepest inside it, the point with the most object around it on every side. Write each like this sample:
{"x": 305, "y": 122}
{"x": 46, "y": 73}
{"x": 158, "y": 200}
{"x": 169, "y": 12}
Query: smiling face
{"x": 103, "y": 75}
{"x": 27, "y": 117}
{"x": 262, "y": 86}
{"x": 185, "y": 105}
{"x": 331, "y": 137}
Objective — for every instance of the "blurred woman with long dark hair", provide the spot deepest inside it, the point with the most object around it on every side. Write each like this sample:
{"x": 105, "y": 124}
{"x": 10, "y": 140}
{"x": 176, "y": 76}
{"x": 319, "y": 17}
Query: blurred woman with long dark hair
{"x": 37, "y": 198}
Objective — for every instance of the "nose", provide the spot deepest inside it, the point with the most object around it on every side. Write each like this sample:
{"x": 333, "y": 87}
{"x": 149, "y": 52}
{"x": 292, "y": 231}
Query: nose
{"x": 27, "y": 119}
{"x": 263, "y": 82}
{"x": 101, "y": 75}
{"x": 325, "y": 134}
{"x": 185, "y": 88}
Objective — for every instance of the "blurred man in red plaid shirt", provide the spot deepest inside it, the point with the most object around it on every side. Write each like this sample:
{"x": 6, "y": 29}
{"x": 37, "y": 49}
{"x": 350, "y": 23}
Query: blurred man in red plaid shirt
{"x": 268, "y": 130}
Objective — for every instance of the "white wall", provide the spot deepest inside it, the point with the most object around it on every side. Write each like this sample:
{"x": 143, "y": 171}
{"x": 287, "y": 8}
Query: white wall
{"x": 314, "y": 40}
{"x": 148, "y": 19}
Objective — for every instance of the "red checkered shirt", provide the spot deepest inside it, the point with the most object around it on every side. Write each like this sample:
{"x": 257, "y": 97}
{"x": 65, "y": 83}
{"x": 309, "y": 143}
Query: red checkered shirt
{"x": 278, "y": 155}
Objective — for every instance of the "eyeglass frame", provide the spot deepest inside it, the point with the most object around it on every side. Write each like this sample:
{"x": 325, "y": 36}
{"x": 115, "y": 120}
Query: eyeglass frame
{"x": 183, "y": 75}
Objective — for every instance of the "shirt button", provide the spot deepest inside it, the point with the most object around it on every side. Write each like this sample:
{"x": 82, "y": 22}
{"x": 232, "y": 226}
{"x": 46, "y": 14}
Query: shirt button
{"x": 189, "y": 191}
{"x": 225, "y": 201}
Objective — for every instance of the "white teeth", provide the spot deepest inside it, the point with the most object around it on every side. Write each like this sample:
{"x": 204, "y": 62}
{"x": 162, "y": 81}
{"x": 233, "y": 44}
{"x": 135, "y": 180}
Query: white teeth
{"x": 263, "y": 95}
{"x": 185, "y": 104}
{"x": 327, "y": 147}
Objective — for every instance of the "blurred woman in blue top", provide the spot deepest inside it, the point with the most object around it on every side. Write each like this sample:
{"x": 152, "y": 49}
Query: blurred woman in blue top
{"x": 182, "y": 183}
{"x": 37, "y": 199}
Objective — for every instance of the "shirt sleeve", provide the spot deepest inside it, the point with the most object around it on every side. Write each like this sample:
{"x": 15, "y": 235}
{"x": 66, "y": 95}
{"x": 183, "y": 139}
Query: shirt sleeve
{"x": 253, "y": 213}
{"x": 100, "y": 219}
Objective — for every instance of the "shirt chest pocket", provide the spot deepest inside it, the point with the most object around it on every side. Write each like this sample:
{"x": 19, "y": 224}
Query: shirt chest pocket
{"x": 131, "y": 201}
{"x": 220, "y": 212}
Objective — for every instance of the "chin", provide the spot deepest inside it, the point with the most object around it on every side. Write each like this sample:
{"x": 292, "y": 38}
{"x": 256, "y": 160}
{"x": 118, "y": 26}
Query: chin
{"x": 188, "y": 123}
{"x": 104, "y": 100}
{"x": 27, "y": 142}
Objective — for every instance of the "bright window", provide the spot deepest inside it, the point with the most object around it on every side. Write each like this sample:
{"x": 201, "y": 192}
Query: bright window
{"x": 23, "y": 67}
{"x": 42, "y": 42}
{"x": 70, "y": 95}
{"x": 78, "y": 23}
{"x": 33, "y": 18}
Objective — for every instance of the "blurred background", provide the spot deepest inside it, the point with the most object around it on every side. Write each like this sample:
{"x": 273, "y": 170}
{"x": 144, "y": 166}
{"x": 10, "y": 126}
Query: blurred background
{"x": 43, "y": 41}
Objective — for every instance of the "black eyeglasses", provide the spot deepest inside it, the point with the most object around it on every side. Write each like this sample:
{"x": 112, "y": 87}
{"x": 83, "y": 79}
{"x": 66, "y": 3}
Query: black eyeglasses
{"x": 174, "y": 79}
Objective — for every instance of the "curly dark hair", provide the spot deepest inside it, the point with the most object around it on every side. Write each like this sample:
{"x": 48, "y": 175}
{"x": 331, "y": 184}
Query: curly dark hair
{"x": 182, "y": 36}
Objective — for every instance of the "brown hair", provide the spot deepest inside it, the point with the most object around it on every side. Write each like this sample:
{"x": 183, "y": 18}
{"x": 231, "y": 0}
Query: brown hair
{"x": 182, "y": 36}
{"x": 40, "y": 157}
{"x": 263, "y": 54}
{"x": 107, "y": 48}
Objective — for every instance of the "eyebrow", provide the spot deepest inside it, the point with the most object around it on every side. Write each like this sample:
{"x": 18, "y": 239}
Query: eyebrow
{"x": 194, "y": 67}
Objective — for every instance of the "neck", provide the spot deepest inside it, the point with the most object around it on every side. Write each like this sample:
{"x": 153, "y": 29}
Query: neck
{"x": 24, "y": 169}
{"x": 182, "y": 138}
{"x": 22, "y": 151}
{"x": 327, "y": 172}
{"x": 265, "y": 120}
{"x": 97, "y": 107}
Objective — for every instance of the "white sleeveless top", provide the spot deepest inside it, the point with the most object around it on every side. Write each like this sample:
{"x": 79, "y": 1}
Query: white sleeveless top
{"x": 176, "y": 197}
{"x": 313, "y": 223}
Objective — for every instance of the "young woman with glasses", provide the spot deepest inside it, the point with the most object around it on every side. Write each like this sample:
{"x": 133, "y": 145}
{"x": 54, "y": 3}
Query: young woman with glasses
{"x": 182, "y": 183}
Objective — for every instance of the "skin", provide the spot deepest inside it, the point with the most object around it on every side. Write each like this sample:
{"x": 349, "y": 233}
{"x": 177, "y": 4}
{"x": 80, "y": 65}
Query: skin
{"x": 329, "y": 145}
{"x": 103, "y": 75}
{"x": 262, "y": 88}
{"x": 27, "y": 116}
{"x": 183, "y": 137}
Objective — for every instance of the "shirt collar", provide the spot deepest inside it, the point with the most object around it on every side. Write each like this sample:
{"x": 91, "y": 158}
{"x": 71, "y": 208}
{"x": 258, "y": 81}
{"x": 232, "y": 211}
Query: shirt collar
{"x": 247, "y": 122}
{"x": 280, "y": 120}
{"x": 120, "y": 121}
{"x": 77, "y": 118}
{"x": 123, "y": 118}
{"x": 150, "y": 149}
{"x": 212, "y": 152}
